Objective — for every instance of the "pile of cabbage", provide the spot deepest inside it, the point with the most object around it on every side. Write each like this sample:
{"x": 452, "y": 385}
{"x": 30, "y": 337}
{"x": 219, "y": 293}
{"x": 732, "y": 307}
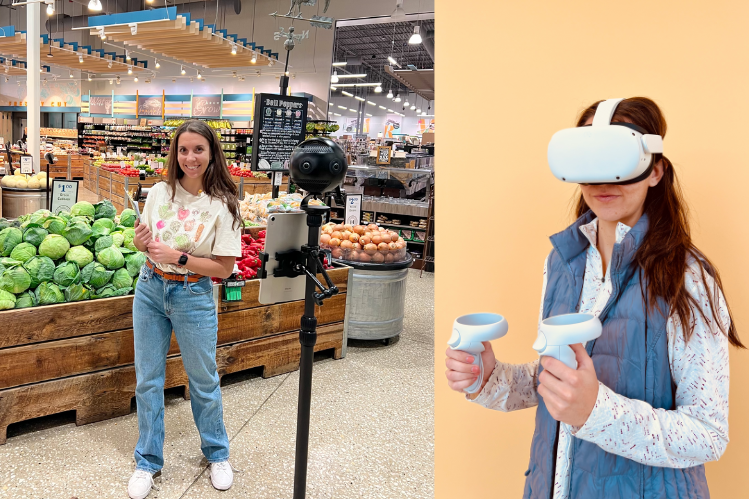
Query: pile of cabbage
{"x": 83, "y": 254}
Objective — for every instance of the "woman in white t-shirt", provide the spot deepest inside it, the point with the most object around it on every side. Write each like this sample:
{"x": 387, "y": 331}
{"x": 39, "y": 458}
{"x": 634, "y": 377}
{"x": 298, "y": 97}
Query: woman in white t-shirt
{"x": 191, "y": 231}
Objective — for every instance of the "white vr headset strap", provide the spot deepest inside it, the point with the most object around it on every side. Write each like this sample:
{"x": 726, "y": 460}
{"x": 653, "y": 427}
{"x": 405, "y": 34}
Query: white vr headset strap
{"x": 605, "y": 112}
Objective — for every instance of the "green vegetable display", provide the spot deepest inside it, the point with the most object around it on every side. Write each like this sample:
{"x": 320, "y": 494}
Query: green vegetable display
{"x": 54, "y": 246}
{"x": 7, "y": 300}
{"x": 87, "y": 253}
{"x": 84, "y": 209}
{"x": 15, "y": 280}
{"x": 9, "y": 239}
{"x": 23, "y": 252}
{"x": 79, "y": 255}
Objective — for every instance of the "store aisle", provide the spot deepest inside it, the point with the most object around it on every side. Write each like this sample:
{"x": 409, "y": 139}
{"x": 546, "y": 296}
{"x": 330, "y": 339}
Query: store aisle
{"x": 371, "y": 431}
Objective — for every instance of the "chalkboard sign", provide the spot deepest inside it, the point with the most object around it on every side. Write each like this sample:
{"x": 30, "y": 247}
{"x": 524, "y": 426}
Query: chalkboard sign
{"x": 100, "y": 104}
{"x": 149, "y": 106}
{"x": 280, "y": 123}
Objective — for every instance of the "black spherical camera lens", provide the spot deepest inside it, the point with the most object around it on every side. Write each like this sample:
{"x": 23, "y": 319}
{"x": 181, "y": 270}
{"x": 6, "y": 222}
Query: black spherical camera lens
{"x": 306, "y": 167}
{"x": 335, "y": 167}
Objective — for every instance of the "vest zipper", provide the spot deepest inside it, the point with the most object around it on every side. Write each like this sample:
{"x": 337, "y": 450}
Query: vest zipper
{"x": 554, "y": 463}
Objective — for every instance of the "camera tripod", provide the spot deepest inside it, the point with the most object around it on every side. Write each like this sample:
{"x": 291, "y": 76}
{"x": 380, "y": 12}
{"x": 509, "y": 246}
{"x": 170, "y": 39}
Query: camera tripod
{"x": 296, "y": 263}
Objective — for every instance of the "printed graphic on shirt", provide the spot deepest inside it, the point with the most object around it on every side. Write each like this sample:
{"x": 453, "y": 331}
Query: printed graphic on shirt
{"x": 183, "y": 232}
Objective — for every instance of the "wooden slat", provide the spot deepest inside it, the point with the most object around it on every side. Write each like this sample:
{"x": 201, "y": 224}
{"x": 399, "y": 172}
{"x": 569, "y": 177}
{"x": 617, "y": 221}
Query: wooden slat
{"x": 73, "y": 356}
{"x": 108, "y": 394}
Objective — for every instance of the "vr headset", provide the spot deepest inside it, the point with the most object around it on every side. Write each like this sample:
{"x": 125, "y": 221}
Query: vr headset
{"x": 605, "y": 152}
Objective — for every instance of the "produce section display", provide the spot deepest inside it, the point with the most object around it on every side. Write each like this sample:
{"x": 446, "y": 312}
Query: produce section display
{"x": 360, "y": 243}
{"x": 84, "y": 254}
{"x": 256, "y": 207}
{"x": 32, "y": 182}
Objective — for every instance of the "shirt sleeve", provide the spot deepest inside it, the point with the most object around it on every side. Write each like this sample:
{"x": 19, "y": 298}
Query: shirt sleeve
{"x": 697, "y": 431}
{"x": 512, "y": 387}
{"x": 228, "y": 241}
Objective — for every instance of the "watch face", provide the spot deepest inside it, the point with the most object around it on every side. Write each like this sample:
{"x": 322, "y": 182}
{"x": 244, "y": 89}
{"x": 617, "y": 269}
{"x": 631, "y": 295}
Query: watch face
{"x": 183, "y": 259}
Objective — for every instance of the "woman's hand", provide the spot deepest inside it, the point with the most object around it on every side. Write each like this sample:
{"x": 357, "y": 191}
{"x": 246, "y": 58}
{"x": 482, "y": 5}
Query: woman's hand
{"x": 161, "y": 253}
{"x": 143, "y": 236}
{"x": 461, "y": 373}
{"x": 569, "y": 394}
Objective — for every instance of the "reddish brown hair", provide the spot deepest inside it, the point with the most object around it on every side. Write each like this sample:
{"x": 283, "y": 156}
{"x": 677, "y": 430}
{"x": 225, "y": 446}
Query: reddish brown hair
{"x": 667, "y": 245}
{"x": 217, "y": 181}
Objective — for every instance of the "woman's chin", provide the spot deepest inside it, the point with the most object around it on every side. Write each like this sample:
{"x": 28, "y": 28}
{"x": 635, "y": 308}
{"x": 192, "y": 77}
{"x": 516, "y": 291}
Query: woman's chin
{"x": 193, "y": 173}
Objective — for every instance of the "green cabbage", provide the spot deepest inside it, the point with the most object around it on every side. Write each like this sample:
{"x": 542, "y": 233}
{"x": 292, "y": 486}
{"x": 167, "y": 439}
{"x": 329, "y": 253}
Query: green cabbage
{"x": 134, "y": 262}
{"x": 54, "y": 246}
{"x": 15, "y": 280}
{"x": 40, "y": 269}
{"x": 55, "y": 225}
{"x": 105, "y": 209}
{"x": 35, "y": 235}
{"x": 83, "y": 208}
{"x": 129, "y": 235}
{"x": 67, "y": 273}
{"x": 127, "y": 218}
{"x": 104, "y": 222}
{"x": 79, "y": 255}
{"x": 9, "y": 262}
{"x": 39, "y": 217}
{"x": 111, "y": 258}
{"x": 121, "y": 279}
{"x": 7, "y": 300}
{"x": 65, "y": 214}
{"x": 103, "y": 242}
{"x": 4, "y": 223}
{"x": 48, "y": 293}
{"x": 23, "y": 252}
{"x": 77, "y": 292}
{"x": 9, "y": 239}
{"x": 118, "y": 238}
{"x": 26, "y": 299}
{"x": 96, "y": 275}
{"x": 77, "y": 233}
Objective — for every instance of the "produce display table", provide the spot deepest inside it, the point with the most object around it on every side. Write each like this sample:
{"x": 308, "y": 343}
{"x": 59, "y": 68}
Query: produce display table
{"x": 79, "y": 356}
{"x": 375, "y": 299}
{"x": 112, "y": 186}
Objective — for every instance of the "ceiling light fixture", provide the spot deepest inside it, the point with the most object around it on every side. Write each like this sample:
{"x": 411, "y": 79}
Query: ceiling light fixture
{"x": 397, "y": 98}
{"x": 390, "y": 110}
{"x": 416, "y": 37}
{"x": 362, "y": 75}
{"x": 102, "y": 35}
{"x": 413, "y": 106}
{"x": 233, "y": 49}
{"x": 254, "y": 58}
{"x": 182, "y": 69}
{"x": 381, "y": 107}
{"x": 339, "y": 63}
{"x": 71, "y": 74}
{"x": 94, "y": 5}
{"x": 371, "y": 103}
{"x": 129, "y": 70}
{"x": 135, "y": 79}
{"x": 110, "y": 81}
{"x": 346, "y": 93}
{"x": 80, "y": 58}
{"x": 405, "y": 104}
{"x": 354, "y": 110}
{"x": 342, "y": 107}
{"x": 110, "y": 64}
{"x": 89, "y": 77}
{"x": 233, "y": 74}
{"x": 333, "y": 87}
{"x": 127, "y": 55}
{"x": 390, "y": 94}
{"x": 334, "y": 77}
{"x": 270, "y": 62}
{"x": 378, "y": 89}
{"x": 392, "y": 61}
{"x": 118, "y": 80}
{"x": 50, "y": 9}
{"x": 157, "y": 64}
{"x": 368, "y": 114}
{"x": 359, "y": 98}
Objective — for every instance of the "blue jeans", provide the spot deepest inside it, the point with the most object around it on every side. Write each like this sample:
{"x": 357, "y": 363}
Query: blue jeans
{"x": 159, "y": 306}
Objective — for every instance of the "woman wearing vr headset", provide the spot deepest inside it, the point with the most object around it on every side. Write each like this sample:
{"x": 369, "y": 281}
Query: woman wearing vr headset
{"x": 190, "y": 229}
{"x": 648, "y": 403}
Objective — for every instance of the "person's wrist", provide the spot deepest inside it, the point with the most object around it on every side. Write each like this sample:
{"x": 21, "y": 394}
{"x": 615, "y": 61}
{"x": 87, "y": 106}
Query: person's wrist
{"x": 176, "y": 254}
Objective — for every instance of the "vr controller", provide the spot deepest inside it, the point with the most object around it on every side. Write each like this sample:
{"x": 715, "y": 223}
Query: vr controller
{"x": 468, "y": 333}
{"x": 558, "y": 332}
{"x": 605, "y": 152}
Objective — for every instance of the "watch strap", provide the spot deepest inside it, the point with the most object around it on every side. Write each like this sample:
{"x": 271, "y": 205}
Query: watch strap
{"x": 182, "y": 260}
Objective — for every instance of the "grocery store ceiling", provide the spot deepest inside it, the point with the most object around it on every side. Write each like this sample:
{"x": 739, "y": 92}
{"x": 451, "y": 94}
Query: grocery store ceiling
{"x": 367, "y": 47}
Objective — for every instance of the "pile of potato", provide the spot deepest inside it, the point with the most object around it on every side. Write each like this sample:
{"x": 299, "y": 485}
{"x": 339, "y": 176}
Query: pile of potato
{"x": 19, "y": 181}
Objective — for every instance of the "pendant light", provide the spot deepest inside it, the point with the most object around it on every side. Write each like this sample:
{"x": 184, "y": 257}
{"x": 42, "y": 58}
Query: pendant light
{"x": 94, "y": 5}
{"x": 390, "y": 94}
{"x": 334, "y": 78}
{"x": 416, "y": 37}
{"x": 50, "y": 9}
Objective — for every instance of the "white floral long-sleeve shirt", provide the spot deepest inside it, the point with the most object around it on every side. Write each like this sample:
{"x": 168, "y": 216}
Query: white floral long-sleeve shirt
{"x": 694, "y": 433}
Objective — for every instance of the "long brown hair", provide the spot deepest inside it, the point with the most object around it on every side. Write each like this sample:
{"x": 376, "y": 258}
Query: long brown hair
{"x": 664, "y": 252}
{"x": 217, "y": 181}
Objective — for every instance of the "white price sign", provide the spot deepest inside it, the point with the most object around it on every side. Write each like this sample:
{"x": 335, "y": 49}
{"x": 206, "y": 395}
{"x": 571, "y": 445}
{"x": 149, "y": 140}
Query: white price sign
{"x": 122, "y": 164}
{"x": 27, "y": 165}
{"x": 64, "y": 195}
{"x": 278, "y": 178}
{"x": 353, "y": 209}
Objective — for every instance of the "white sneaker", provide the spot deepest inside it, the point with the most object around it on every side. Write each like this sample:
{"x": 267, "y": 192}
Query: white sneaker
{"x": 140, "y": 484}
{"x": 222, "y": 475}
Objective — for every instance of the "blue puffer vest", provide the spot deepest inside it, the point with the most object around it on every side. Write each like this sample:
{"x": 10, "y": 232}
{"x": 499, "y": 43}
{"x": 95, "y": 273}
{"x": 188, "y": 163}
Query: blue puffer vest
{"x": 630, "y": 357}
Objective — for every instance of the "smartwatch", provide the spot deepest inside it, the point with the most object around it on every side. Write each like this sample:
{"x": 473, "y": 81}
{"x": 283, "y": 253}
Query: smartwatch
{"x": 182, "y": 260}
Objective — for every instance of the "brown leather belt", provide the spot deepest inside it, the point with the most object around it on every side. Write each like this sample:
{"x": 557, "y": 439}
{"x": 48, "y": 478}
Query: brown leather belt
{"x": 173, "y": 277}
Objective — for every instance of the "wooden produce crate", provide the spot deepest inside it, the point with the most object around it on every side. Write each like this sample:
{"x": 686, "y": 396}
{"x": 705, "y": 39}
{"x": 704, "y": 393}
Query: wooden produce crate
{"x": 58, "y": 170}
{"x": 121, "y": 183}
{"x": 256, "y": 186}
{"x": 87, "y": 167}
{"x": 76, "y": 166}
{"x": 79, "y": 356}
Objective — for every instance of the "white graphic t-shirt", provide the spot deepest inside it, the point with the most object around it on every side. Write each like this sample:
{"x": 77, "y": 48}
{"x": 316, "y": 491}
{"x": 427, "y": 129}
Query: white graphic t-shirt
{"x": 197, "y": 225}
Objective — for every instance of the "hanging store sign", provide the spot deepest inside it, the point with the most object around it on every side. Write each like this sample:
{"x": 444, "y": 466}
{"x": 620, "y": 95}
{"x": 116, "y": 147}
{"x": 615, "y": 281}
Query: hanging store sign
{"x": 149, "y": 106}
{"x": 100, "y": 104}
{"x": 206, "y": 107}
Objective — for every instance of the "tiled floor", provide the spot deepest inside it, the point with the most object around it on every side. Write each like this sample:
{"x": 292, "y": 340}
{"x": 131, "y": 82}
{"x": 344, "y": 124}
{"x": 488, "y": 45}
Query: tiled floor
{"x": 371, "y": 432}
